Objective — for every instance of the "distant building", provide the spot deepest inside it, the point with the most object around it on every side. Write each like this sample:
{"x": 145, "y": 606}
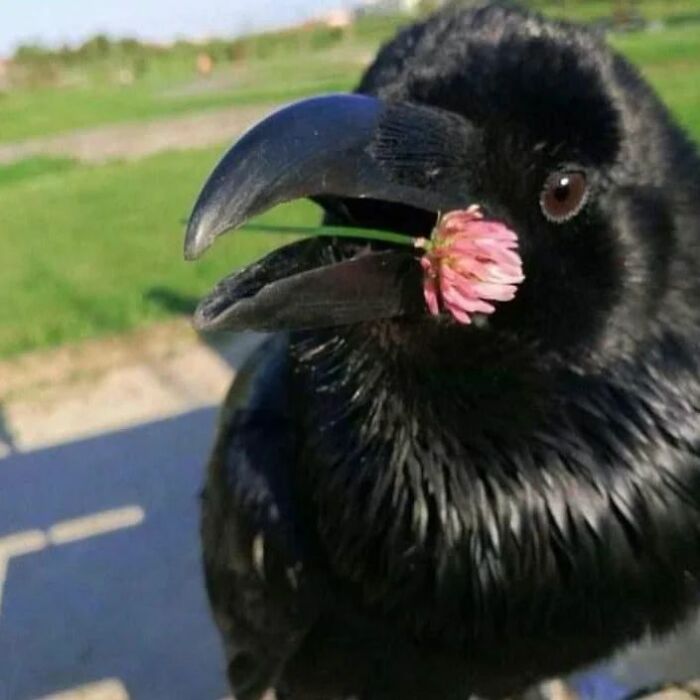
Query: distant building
{"x": 338, "y": 19}
{"x": 204, "y": 63}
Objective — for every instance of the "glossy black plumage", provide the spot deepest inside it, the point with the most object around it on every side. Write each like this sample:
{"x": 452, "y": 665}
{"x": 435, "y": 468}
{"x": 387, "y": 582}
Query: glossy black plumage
{"x": 412, "y": 508}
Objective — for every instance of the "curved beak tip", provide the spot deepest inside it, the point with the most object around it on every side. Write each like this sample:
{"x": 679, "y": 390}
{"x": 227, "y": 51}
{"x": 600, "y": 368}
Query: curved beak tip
{"x": 197, "y": 239}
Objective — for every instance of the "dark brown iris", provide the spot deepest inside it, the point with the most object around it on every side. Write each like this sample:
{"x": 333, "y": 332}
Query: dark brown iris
{"x": 563, "y": 195}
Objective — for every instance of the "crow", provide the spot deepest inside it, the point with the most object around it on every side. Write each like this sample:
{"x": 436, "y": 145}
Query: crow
{"x": 401, "y": 505}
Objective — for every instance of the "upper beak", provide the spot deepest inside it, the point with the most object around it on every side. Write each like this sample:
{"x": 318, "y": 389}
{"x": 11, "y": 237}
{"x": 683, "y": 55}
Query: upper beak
{"x": 348, "y": 146}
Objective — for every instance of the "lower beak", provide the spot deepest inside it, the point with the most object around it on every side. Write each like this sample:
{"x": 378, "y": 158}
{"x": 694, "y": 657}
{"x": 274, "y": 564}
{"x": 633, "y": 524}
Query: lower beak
{"x": 273, "y": 293}
{"x": 340, "y": 146}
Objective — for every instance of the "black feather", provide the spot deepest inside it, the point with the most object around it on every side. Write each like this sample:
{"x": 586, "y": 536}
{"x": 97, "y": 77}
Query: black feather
{"x": 462, "y": 510}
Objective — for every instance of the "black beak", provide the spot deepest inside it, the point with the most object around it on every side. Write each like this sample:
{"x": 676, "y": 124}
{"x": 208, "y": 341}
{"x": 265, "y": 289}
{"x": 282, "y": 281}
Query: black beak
{"x": 339, "y": 146}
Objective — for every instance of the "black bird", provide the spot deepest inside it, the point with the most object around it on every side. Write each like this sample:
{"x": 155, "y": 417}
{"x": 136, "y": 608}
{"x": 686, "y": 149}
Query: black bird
{"x": 402, "y": 506}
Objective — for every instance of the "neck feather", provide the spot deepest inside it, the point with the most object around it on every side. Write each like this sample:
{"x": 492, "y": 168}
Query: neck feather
{"x": 473, "y": 496}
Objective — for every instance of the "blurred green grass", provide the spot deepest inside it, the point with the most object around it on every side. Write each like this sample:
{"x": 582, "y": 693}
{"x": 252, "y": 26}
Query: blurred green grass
{"x": 597, "y": 10}
{"x": 34, "y": 167}
{"x": 90, "y": 250}
{"x": 93, "y": 95}
{"x": 670, "y": 60}
{"x": 46, "y": 111}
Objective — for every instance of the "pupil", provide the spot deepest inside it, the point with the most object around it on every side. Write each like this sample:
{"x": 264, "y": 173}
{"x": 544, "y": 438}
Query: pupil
{"x": 562, "y": 191}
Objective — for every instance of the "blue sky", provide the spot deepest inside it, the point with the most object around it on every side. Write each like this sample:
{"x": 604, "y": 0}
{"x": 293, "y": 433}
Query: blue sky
{"x": 56, "y": 21}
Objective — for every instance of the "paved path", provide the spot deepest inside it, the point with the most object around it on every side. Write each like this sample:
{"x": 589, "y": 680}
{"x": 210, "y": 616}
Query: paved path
{"x": 134, "y": 140}
{"x": 55, "y": 396}
{"x": 102, "y": 584}
{"x": 101, "y": 594}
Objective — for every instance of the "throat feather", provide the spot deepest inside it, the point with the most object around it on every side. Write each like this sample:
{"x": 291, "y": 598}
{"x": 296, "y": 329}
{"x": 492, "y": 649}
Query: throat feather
{"x": 460, "y": 516}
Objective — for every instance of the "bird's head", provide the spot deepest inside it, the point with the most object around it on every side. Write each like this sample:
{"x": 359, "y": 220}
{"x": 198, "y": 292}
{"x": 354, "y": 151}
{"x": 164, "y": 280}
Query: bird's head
{"x": 537, "y": 123}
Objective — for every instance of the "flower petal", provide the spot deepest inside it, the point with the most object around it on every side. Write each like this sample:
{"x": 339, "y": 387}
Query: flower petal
{"x": 454, "y": 298}
{"x": 495, "y": 292}
{"x": 430, "y": 292}
{"x": 470, "y": 262}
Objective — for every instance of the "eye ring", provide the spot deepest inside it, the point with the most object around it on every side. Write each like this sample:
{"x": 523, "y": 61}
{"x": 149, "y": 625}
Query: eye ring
{"x": 563, "y": 196}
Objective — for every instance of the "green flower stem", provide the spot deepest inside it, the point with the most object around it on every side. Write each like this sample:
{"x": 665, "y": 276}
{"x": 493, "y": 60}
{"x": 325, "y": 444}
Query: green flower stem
{"x": 339, "y": 231}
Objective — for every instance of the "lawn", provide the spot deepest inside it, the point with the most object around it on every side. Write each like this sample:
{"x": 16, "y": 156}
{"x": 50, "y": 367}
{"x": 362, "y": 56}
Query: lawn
{"x": 89, "y": 250}
{"x": 598, "y": 10}
{"x": 45, "y": 111}
{"x": 171, "y": 85}
{"x": 670, "y": 59}
{"x": 94, "y": 250}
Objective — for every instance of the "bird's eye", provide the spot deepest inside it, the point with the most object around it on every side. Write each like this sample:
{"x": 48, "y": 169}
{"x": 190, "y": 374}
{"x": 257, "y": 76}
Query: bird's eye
{"x": 563, "y": 195}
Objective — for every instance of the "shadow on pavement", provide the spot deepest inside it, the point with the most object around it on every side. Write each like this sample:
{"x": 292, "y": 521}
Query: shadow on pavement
{"x": 128, "y": 604}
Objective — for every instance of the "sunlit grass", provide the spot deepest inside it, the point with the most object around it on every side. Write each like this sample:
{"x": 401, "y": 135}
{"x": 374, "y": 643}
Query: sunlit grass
{"x": 99, "y": 249}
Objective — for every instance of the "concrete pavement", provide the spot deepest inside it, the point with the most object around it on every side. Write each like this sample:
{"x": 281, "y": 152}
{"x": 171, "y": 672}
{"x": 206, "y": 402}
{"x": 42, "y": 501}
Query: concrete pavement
{"x": 74, "y": 392}
{"x": 134, "y": 140}
{"x": 119, "y": 595}
{"x": 101, "y": 594}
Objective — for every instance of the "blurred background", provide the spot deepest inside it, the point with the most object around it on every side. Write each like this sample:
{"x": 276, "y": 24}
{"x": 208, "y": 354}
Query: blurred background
{"x": 111, "y": 115}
